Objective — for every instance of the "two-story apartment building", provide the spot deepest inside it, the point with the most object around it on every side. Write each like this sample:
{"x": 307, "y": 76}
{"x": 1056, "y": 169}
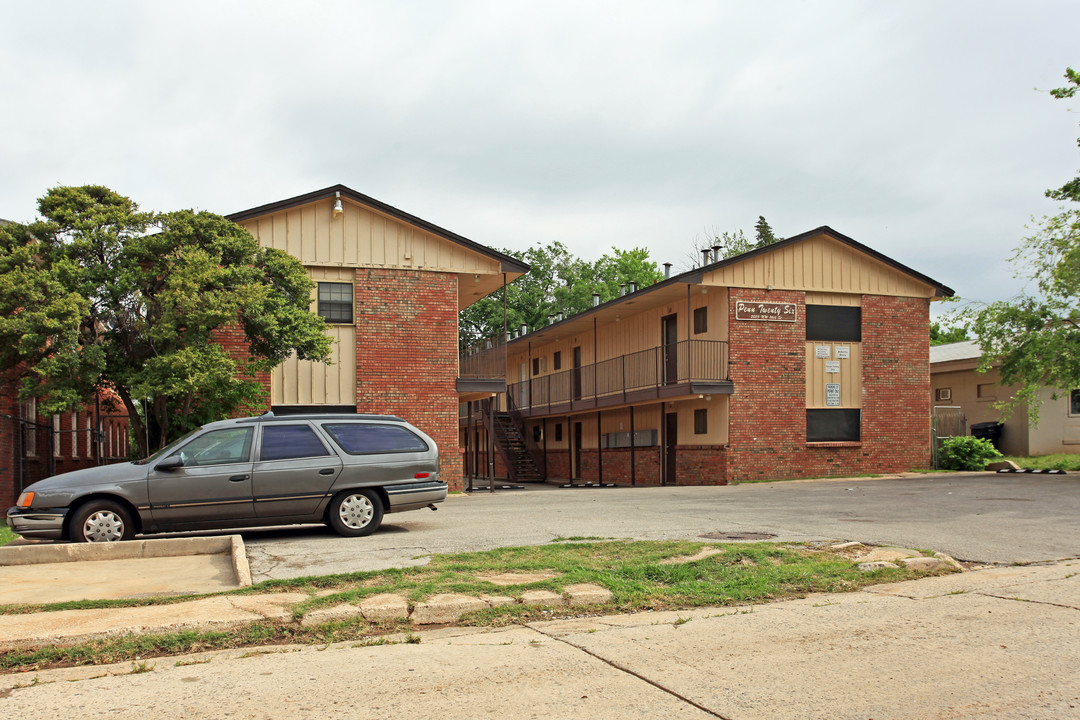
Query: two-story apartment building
{"x": 806, "y": 358}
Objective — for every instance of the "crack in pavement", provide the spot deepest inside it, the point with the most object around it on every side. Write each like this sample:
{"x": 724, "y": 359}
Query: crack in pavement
{"x": 628, "y": 671}
{"x": 1026, "y": 600}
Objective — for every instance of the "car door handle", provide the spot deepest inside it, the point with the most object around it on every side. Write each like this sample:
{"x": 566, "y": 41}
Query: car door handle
{"x": 238, "y": 478}
{"x": 326, "y": 471}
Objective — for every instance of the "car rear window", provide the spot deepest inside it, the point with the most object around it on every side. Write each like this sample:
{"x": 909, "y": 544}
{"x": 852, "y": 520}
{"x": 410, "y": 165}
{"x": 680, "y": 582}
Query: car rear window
{"x": 283, "y": 442}
{"x": 360, "y": 439}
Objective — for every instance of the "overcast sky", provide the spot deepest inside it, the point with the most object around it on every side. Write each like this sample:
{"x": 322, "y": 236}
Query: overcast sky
{"x": 921, "y": 129}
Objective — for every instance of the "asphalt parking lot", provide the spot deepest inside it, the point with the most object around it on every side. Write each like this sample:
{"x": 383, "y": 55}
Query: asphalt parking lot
{"x": 979, "y": 517}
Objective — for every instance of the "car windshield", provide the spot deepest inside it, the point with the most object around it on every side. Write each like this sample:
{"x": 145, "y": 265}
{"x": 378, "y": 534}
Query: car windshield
{"x": 165, "y": 451}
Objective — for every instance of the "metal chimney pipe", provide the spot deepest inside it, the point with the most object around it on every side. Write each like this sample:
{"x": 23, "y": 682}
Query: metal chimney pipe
{"x": 622, "y": 288}
{"x": 716, "y": 253}
{"x": 524, "y": 329}
{"x": 595, "y": 299}
{"x": 633, "y": 286}
{"x": 667, "y": 270}
{"x": 551, "y": 319}
{"x": 559, "y": 316}
{"x": 705, "y": 256}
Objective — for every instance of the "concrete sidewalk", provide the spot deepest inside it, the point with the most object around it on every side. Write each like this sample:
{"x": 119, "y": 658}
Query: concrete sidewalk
{"x": 996, "y": 642}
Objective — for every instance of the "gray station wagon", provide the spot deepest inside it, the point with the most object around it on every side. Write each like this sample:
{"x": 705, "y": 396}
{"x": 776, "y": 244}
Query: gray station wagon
{"x": 342, "y": 470}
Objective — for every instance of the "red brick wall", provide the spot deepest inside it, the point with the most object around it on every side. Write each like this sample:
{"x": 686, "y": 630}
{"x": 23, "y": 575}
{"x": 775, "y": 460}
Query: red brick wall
{"x": 700, "y": 465}
{"x": 767, "y": 428}
{"x": 234, "y": 341}
{"x": 9, "y": 460}
{"x": 406, "y": 354}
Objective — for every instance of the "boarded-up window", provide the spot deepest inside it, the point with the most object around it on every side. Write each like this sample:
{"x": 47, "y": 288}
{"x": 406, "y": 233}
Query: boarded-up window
{"x": 701, "y": 320}
{"x": 833, "y": 425}
{"x": 834, "y": 322}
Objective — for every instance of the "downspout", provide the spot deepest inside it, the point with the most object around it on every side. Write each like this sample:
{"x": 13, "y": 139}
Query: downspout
{"x": 633, "y": 463}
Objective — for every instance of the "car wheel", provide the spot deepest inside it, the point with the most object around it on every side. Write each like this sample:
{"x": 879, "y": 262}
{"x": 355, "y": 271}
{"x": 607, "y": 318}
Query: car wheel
{"x": 101, "y": 521}
{"x": 354, "y": 513}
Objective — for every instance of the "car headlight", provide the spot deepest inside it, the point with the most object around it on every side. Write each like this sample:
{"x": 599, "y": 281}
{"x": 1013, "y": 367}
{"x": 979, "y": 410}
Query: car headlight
{"x": 26, "y": 500}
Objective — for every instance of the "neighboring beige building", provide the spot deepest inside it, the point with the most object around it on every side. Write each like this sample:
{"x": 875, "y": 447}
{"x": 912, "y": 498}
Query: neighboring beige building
{"x": 954, "y": 382}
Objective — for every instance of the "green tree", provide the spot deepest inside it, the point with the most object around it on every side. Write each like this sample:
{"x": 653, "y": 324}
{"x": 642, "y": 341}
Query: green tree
{"x": 556, "y": 282}
{"x": 1034, "y": 339}
{"x": 941, "y": 335}
{"x": 97, "y": 296}
{"x": 764, "y": 233}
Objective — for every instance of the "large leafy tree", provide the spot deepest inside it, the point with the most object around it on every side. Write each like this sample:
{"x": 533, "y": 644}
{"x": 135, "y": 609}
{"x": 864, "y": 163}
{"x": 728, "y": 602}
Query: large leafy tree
{"x": 98, "y": 296}
{"x": 557, "y": 282}
{"x": 1034, "y": 339}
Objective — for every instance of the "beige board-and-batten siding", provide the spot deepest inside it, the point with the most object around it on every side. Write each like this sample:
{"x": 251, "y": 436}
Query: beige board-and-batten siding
{"x": 302, "y": 382}
{"x": 819, "y": 264}
{"x": 362, "y": 237}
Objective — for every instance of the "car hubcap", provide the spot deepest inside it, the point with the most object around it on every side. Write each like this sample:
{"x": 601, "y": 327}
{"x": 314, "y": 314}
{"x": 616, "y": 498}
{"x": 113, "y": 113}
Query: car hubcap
{"x": 103, "y": 526}
{"x": 356, "y": 511}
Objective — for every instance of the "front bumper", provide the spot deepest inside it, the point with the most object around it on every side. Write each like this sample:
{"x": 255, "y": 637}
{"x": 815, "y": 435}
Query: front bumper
{"x": 47, "y": 523}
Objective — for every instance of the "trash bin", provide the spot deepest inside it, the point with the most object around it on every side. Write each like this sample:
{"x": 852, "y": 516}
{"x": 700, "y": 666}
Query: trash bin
{"x": 988, "y": 431}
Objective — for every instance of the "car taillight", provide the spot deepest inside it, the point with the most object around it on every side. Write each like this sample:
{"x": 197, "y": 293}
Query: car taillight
{"x": 26, "y": 499}
{"x": 422, "y": 475}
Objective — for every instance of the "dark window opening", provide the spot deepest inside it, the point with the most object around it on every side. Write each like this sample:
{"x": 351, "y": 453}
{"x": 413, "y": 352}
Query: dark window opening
{"x": 834, "y": 322}
{"x": 536, "y": 366}
{"x": 361, "y": 439}
{"x": 558, "y": 432}
{"x": 833, "y": 425}
{"x": 336, "y": 302}
{"x": 283, "y": 442}
{"x": 701, "y": 421}
{"x": 1074, "y": 402}
{"x": 556, "y": 360}
{"x": 701, "y": 320}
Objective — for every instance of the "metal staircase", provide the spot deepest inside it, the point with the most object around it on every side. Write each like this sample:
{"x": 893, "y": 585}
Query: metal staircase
{"x": 523, "y": 463}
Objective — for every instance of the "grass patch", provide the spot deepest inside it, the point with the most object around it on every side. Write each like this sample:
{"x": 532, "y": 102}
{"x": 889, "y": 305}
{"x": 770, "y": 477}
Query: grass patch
{"x": 6, "y": 535}
{"x": 1057, "y": 461}
{"x": 738, "y": 573}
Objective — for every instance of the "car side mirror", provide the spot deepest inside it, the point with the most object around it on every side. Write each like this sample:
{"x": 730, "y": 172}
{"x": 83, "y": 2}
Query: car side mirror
{"x": 171, "y": 463}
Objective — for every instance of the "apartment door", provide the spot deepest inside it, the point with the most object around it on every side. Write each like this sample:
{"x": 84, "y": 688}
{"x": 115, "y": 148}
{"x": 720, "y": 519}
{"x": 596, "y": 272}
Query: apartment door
{"x": 575, "y": 453}
{"x": 669, "y": 338}
{"x": 671, "y": 440}
{"x": 575, "y": 375}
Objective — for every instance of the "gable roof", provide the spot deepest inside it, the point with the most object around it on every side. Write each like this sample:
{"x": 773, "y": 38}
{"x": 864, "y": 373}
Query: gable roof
{"x": 963, "y": 350}
{"x": 508, "y": 263}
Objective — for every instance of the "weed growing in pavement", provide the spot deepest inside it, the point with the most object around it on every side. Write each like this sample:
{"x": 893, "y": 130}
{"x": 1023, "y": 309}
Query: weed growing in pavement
{"x": 142, "y": 667}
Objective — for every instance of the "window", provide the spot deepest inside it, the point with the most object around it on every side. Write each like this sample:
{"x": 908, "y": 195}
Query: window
{"x": 282, "y": 442}
{"x": 943, "y": 394}
{"x": 361, "y": 439}
{"x": 556, "y": 360}
{"x": 839, "y": 425}
{"x": 701, "y": 421}
{"x": 217, "y": 447}
{"x": 74, "y": 435}
{"x": 701, "y": 320}
{"x": 1074, "y": 402}
{"x": 536, "y": 366}
{"x": 834, "y": 322}
{"x": 986, "y": 391}
{"x": 558, "y": 432}
{"x": 336, "y": 302}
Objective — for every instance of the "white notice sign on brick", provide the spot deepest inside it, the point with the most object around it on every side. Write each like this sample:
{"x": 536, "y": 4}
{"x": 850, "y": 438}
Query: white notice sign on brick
{"x": 832, "y": 394}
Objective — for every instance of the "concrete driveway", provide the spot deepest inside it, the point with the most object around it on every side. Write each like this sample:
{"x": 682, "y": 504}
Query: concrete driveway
{"x": 982, "y": 517}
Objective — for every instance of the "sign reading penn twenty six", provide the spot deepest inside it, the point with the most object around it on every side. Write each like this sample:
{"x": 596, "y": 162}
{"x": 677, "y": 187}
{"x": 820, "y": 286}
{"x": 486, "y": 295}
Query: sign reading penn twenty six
{"x": 767, "y": 311}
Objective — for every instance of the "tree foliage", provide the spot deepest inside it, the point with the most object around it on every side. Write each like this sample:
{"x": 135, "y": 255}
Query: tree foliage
{"x": 1034, "y": 339}
{"x": 942, "y": 335}
{"x": 730, "y": 244}
{"x": 557, "y": 282}
{"x": 98, "y": 296}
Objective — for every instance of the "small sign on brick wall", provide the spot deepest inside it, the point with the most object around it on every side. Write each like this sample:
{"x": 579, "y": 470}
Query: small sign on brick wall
{"x": 766, "y": 311}
{"x": 832, "y": 394}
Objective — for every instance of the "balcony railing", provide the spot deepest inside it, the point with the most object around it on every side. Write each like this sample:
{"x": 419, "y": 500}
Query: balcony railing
{"x": 485, "y": 360}
{"x": 690, "y": 366}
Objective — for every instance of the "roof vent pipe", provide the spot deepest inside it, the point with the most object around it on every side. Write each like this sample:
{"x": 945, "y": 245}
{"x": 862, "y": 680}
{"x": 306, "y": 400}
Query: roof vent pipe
{"x": 524, "y": 330}
{"x": 551, "y": 319}
{"x": 716, "y": 253}
{"x": 667, "y": 270}
{"x": 705, "y": 256}
{"x": 633, "y": 286}
{"x": 508, "y": 336}
{"x": 595, "y": 299}
{"x": 559, "y": 316}
{"x": 622, "y": 288}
